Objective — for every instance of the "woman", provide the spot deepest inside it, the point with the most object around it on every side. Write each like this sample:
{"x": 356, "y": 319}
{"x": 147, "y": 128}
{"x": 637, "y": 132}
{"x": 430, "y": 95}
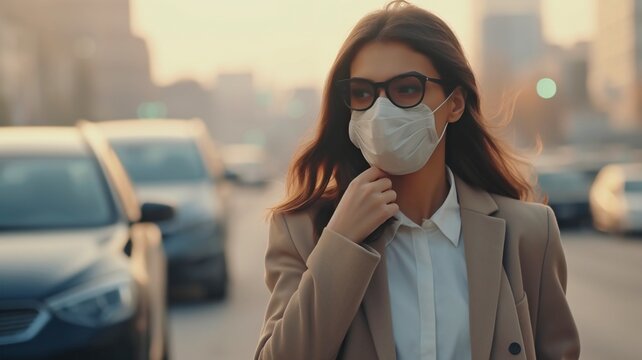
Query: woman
{"x": 405, "y": 233}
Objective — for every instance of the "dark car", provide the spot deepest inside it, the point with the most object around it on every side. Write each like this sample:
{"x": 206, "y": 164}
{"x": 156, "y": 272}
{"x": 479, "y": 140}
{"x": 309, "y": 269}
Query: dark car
{"x": 82, "y": 271}
{"x": 176, "y": 161}
{"x": 567, "y": 190}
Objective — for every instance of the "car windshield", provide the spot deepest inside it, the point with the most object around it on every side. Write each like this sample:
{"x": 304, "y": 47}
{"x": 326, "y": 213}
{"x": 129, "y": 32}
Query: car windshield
{"x": 633, "y": 186}
{"x": 161, "y": 162}
{"x": 53, "y": 193}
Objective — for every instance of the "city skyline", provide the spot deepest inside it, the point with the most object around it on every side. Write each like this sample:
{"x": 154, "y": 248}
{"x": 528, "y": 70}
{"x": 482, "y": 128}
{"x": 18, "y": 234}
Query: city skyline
{"x": 179, "y": 37}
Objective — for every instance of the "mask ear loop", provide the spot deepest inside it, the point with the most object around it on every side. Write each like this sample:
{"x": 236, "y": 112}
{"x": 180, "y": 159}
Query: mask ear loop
{"x": 443, "y": 133}
{"x": 443, "y": 102}
{"x": 445, "y": 126}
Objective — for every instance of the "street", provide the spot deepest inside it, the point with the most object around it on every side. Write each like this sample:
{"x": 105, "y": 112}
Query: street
{"x": 230, "y": 329}
{"x": 605, "y": 291}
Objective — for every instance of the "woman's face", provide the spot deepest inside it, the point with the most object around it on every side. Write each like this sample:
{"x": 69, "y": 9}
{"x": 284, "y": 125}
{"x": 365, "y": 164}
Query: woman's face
{"x": 380, "y": 61}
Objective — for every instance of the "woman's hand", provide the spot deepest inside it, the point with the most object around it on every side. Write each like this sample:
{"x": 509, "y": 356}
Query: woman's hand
{"x": 367, "y": 203}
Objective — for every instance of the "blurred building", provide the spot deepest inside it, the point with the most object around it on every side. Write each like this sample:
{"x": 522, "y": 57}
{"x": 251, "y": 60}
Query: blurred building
{"x": 19, "y": 84}
{"x": 297, "y": 112}
{"x": 540, "y": 88}
{"x": 510, "y": 45}
{"x": 508, "y": 6}
{"x": 576, "y": 121}
{"x": 187, "y": 99}
{"x": 574, "y": 75}
{"x": 512, "y": 57}
{"x": 235, "y": 104}
{"x": 615, "y": 79}
{"x": 303, "y": 106}
{"x": 511, "y": 35}
{"x": 71, "y": 59}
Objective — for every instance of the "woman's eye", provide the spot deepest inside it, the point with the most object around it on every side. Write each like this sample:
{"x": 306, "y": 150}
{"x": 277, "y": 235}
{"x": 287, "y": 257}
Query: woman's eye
{"x": 360, "y": 93}
{"x": 408, "y": 90}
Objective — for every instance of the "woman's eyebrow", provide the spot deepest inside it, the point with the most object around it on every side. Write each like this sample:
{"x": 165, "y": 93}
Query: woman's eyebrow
{"x": 413, "y": 72}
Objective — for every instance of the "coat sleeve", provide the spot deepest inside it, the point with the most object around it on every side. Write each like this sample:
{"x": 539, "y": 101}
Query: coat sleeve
{"x": 312, "y": 302}
{"x": 557, "y": 336}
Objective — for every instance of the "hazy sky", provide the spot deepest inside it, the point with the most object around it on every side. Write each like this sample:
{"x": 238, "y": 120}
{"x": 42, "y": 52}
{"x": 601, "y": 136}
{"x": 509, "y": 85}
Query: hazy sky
{"x": 293, "y": 42}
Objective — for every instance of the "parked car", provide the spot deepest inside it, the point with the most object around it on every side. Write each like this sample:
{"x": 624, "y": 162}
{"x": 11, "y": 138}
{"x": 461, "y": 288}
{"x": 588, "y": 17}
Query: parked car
{"x": 248, "y": 164}
{"x": 81, "y": 266}
{"x": 616, "y": 199}
{"x": 567, "y": 189}
{"x": 176, "y": 161}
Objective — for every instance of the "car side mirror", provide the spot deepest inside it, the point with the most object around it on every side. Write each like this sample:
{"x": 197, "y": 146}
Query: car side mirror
{"x": 231, "y": 176}
{"x": 154, "y": 212}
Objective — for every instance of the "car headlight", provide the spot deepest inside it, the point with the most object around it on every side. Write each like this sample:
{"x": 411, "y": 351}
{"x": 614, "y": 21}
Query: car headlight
{"x": 101, "y": 303}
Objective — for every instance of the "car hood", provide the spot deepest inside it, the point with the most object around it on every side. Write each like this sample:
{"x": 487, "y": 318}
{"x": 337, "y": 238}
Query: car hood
{"x": 37, "y": 264}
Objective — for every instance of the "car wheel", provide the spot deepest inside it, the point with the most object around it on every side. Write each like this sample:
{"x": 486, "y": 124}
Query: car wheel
{"x": 217, "y": 288}
{"x": 166, "y": 341}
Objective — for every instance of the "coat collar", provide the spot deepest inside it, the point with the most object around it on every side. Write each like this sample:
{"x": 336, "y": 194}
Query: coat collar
{"x": 484, "y": 243}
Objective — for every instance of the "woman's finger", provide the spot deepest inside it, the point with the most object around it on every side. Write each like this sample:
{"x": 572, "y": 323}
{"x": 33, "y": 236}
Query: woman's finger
{"x": 389, "y": 196}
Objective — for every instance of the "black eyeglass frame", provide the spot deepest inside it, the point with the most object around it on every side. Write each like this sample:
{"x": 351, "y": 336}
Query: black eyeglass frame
{"x": 345, "y": 90}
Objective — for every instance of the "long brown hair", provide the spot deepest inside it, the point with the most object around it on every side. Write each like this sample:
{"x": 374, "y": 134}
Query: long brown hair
{"x": 324, "y": 167}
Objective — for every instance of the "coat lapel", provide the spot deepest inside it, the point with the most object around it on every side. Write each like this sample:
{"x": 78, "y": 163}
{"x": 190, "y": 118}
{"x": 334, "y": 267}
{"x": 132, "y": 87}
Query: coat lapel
{"x": 484, "y": 247}
{"x": 376, "y": 301}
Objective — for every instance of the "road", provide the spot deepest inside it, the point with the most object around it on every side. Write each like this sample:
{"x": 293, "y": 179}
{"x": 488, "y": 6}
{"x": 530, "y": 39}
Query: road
{"x": 229, "y": 330}
{"x": 605, "y": 292}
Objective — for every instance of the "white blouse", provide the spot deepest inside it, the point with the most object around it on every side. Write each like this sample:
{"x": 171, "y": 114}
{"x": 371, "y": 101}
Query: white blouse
{"x": 428, "y": 285}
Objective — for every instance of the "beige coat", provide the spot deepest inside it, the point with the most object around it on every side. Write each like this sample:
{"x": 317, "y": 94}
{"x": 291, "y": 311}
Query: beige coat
{"x": 330, "y": 297}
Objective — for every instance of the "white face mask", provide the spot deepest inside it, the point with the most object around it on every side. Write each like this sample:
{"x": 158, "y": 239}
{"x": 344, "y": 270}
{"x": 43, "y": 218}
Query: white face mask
{"x": 397, "y": 141}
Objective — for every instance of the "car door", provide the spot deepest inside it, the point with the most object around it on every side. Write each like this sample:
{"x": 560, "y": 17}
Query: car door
{"x": 148, "y": 260}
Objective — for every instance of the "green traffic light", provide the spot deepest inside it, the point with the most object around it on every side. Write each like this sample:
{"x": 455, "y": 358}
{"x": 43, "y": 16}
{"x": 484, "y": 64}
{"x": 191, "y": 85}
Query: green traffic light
{"x": 546, "y": 88}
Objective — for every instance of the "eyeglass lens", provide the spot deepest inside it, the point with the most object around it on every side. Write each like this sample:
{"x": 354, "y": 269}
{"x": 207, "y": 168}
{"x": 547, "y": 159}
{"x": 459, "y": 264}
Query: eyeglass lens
{"x": 405, "y": 92}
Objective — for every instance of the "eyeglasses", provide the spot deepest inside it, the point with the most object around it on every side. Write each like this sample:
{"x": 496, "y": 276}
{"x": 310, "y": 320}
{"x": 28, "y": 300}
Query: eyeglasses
{"x": 405, "y": 91}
